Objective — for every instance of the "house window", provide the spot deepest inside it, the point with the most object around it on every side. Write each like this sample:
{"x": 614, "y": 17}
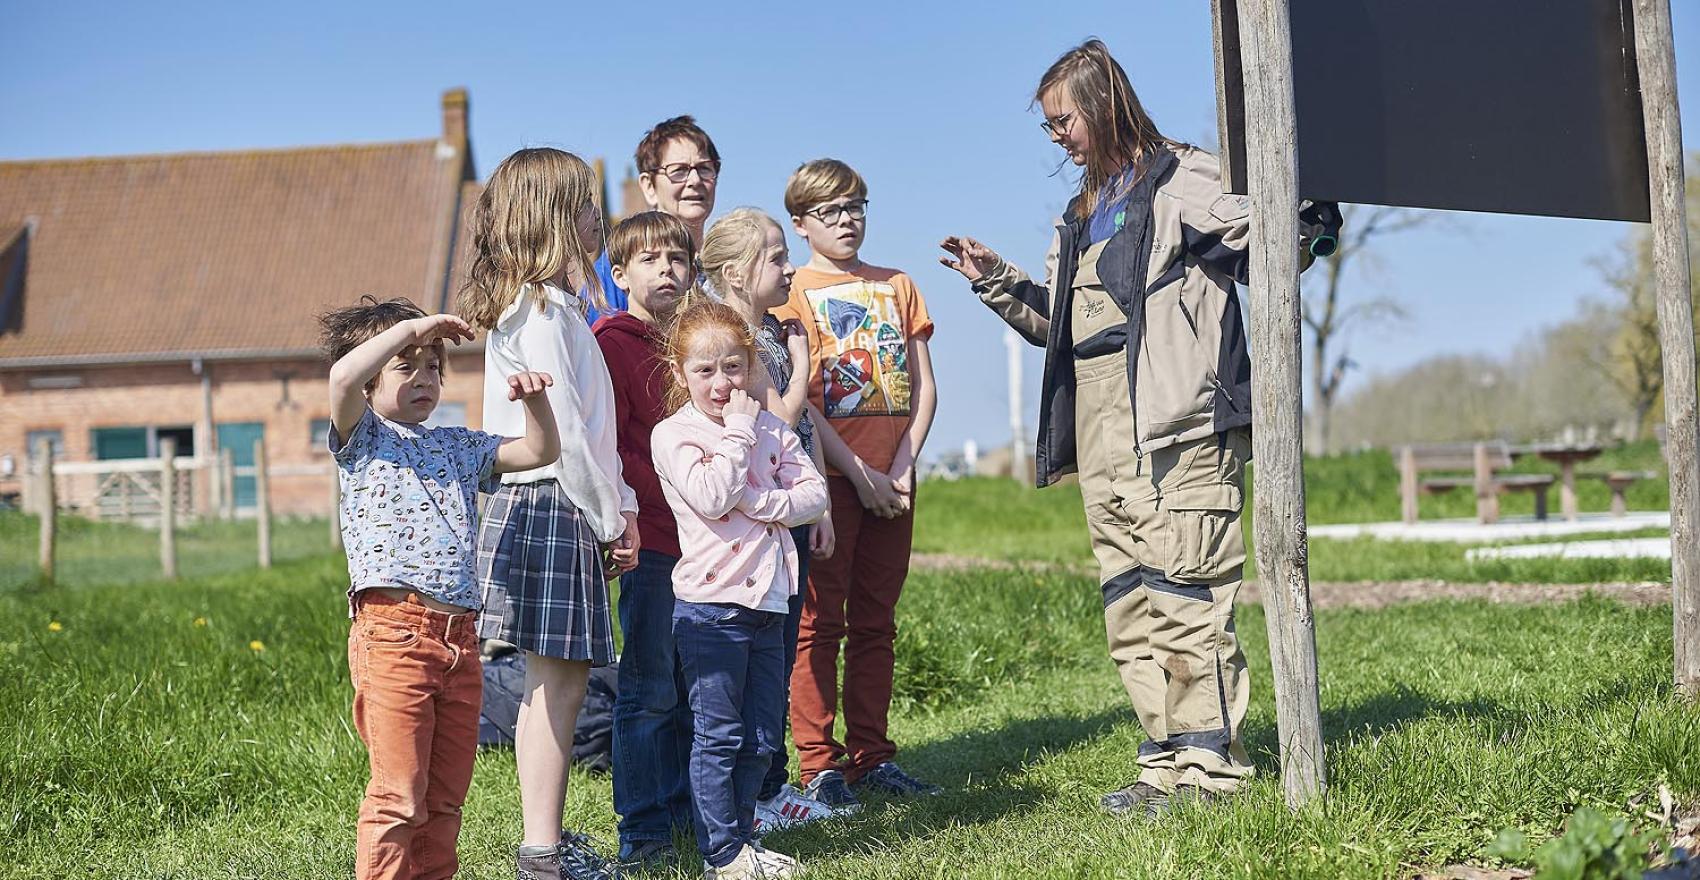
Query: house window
{"x": 317, "y": 431}
{"x": 52, "y": 435}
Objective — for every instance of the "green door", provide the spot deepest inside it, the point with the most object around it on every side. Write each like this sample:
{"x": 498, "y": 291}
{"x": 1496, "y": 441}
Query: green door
{"x": 239, "y": 437}
{"x": 110, "y": 443}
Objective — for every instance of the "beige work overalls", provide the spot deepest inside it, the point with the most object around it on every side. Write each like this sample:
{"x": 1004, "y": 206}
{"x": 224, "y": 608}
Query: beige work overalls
{"x": 1165, "y": 527}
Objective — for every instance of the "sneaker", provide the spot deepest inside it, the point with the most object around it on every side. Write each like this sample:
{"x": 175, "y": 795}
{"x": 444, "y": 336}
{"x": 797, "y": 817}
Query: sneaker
{"x": 828, "y": 788}
{"x": 542, "y": 865}
{"x": 648, "y": 855}
{"x": 1130, "y": 800}
{"x": 788, "y": 809}
{"x": 580, "y": 861}
{"x": 746, "y": 865}
{"x": 889, "y": 779}
{"x": 776, "y": 864}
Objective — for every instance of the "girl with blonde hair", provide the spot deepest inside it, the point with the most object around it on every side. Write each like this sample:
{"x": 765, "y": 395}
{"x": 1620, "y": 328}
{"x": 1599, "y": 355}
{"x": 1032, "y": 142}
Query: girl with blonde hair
{"x": 541, "y": 562}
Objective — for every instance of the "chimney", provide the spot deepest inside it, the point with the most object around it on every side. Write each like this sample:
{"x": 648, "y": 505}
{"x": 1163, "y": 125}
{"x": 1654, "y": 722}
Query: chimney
{"x": 631, "y": 195}
{"x": 456, "y": 113}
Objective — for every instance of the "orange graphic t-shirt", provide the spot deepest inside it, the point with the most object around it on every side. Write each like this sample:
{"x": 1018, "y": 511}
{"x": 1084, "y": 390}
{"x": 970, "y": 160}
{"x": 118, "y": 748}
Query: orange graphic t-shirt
{"x": 859, "y": 327}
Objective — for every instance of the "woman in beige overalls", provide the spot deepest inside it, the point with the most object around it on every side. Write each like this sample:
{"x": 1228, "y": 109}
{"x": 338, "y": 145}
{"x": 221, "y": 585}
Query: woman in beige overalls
{"x": 1147, "y": 394}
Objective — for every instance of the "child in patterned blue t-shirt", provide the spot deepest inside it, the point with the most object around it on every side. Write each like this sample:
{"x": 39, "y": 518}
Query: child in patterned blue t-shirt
{"x": 409, "y": 501}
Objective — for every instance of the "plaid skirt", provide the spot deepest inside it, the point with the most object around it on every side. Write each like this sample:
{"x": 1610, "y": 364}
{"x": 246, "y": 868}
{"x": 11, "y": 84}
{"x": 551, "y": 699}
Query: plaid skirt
{"x": 540, "y": 567}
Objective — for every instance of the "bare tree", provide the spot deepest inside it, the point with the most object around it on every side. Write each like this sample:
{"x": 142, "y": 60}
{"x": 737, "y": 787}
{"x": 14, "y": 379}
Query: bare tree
{"x": 1633, "y": 359}
{"x": 1329, "y": 315}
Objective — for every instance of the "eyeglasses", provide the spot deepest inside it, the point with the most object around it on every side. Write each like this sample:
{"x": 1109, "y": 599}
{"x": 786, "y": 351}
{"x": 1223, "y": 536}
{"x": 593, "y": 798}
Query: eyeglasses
{"x": 1058, "y": 126}
{"x": 679, "y": 172}
{"x": 830, "y": 214}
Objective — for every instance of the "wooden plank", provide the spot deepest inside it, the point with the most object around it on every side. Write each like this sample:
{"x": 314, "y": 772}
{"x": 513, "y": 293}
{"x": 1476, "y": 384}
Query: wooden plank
{"x": 47, "y": 508}
{"x": 168, "y": 507}
{"x": 1230, "y": 94}
{"x": 1487, "y": 500}
{"x": 263, "y": 502}
{"x": 1656, "y": 59}
{"x": 1276, "y": 345}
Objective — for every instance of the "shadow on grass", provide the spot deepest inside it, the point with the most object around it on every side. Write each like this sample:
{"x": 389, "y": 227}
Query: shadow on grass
{"x": 1402, "y": 705}
{"x": 978, "y": 769}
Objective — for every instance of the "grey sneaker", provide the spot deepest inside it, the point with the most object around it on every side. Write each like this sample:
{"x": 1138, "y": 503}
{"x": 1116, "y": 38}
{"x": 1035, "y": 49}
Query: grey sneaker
{"x": 828, "y": 787}
{"x": 579, "y": 860}
{"x": 1129, "y": 800}
{"x": 544, "y": 865}
{"x": 889, "y": 779}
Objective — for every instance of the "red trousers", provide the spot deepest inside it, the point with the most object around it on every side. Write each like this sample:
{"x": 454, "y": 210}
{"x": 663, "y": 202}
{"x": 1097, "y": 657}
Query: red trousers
{"x": 418, "y": 685}
{"x": 851, "y": 598}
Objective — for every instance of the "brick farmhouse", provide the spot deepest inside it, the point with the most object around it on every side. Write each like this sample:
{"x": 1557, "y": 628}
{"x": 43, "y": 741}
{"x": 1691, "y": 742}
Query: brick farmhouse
{"x": 173, "y": 296}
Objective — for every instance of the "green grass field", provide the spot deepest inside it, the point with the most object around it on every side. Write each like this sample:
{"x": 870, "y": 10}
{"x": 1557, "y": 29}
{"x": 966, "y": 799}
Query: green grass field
{"x": 140, "y": 743}
{"x": 201, "y": 728}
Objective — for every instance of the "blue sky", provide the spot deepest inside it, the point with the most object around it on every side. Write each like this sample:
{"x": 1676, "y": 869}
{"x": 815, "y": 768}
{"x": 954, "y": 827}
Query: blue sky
{"x": 928, "y": 101}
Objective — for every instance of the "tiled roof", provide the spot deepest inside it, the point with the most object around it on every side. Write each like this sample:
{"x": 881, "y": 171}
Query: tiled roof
{"x": 220, "y": 254}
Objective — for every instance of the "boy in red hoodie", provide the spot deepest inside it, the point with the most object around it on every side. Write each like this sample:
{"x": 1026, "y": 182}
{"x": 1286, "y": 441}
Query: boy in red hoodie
{"x": 653, "y": 258}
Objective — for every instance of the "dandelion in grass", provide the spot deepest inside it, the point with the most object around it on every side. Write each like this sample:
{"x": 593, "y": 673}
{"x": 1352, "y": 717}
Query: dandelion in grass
{"x": 256, "y": 646}
{"x": 200, "y": 621}
{"x": 55, "y": 626}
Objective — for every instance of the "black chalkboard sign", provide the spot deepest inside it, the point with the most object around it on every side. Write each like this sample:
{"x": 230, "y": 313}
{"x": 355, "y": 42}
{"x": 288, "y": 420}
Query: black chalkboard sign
{"x": 1513, "y": 106}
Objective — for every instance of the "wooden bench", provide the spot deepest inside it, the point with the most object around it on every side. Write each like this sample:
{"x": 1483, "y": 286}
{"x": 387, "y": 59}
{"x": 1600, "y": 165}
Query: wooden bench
{"x": 1619, "y": 482}
{"x": 1481, "y": 461}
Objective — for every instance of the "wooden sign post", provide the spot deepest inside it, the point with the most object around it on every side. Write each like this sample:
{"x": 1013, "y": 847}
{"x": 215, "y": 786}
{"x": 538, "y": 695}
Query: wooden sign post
{"x": 1656, "y": 58}
{"x": 1278, "y": 515}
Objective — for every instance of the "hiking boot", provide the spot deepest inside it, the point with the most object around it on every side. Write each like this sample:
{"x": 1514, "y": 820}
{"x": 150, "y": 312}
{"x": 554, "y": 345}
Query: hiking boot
{"x": 1131, "y": 799}
{"x": 828, "y": 788}
{"x": 1184, "y": 797}
{"x": 788, "y": 809}
{"x": 889, "y": 779}
{"x": 648, "y": 855}
{"x": 746, "y": 865}
{"x": 579, "y": 859}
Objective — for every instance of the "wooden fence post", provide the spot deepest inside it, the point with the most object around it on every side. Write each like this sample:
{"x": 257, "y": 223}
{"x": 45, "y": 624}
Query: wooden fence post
{"x": 1276, "y": 345}
{"x": 47, "y": 508}
{"x": 226, "y": 484}
{"x": 168, "y": 507}
{"x": 1655, "y": 53}
{"x": 263, "y": 502}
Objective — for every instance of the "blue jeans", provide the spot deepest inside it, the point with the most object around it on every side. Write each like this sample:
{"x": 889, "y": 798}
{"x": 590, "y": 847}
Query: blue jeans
{"x": 777, "y": 772}
{"x": 652, "y": 718}
{"x": 734, "y": 663}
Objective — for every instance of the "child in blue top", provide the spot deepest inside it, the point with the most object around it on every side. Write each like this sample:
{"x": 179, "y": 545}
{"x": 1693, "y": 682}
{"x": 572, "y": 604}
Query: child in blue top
{"x": 409, "y": 501}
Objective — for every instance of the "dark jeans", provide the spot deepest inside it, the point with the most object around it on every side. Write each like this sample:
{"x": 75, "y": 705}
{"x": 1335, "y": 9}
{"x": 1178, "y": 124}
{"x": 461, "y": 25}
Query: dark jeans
{"x": 777, "y": 772}
{"x": 652, "y": 717}
{"x": 734, "y": 663}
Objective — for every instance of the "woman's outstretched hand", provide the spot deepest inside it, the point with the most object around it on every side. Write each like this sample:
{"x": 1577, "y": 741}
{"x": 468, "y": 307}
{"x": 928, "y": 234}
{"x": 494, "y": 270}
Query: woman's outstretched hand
{"x": 972, "y": 258}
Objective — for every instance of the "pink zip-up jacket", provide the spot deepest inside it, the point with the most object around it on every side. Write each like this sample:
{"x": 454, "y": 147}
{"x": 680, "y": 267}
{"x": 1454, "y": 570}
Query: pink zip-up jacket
{"x": 736, "y": 492}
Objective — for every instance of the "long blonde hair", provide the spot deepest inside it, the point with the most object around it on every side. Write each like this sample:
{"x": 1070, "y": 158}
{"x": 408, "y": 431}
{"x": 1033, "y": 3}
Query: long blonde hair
{"x": 1121, "y": 132}
{"x": 734, "y": 240}
{"x": 525, "y": 231}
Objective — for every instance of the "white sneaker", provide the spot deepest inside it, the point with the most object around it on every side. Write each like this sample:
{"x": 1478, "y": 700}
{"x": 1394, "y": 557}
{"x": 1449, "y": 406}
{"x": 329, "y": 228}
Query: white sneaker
{"x": 776, "y": 864}
{"x": 752, "y": 863}
{"x": 788, "y": 809}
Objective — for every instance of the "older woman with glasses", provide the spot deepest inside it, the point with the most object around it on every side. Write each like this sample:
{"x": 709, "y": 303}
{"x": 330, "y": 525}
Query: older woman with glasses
{"x": 678, "y": 168}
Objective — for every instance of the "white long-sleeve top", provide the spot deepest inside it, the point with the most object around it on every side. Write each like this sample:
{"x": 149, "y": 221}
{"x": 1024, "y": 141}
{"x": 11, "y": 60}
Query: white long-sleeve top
{"x": 556, "y": 340}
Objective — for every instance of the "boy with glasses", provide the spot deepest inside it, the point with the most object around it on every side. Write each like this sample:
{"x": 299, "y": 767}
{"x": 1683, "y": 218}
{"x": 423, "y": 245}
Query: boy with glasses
{"x": 868, "y": 330}
{"x": 678, "y": 168}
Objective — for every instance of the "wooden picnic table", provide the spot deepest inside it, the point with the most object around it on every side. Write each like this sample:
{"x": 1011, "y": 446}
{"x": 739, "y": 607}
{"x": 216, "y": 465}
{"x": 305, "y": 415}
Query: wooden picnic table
{"x": 1567, "y": 456}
